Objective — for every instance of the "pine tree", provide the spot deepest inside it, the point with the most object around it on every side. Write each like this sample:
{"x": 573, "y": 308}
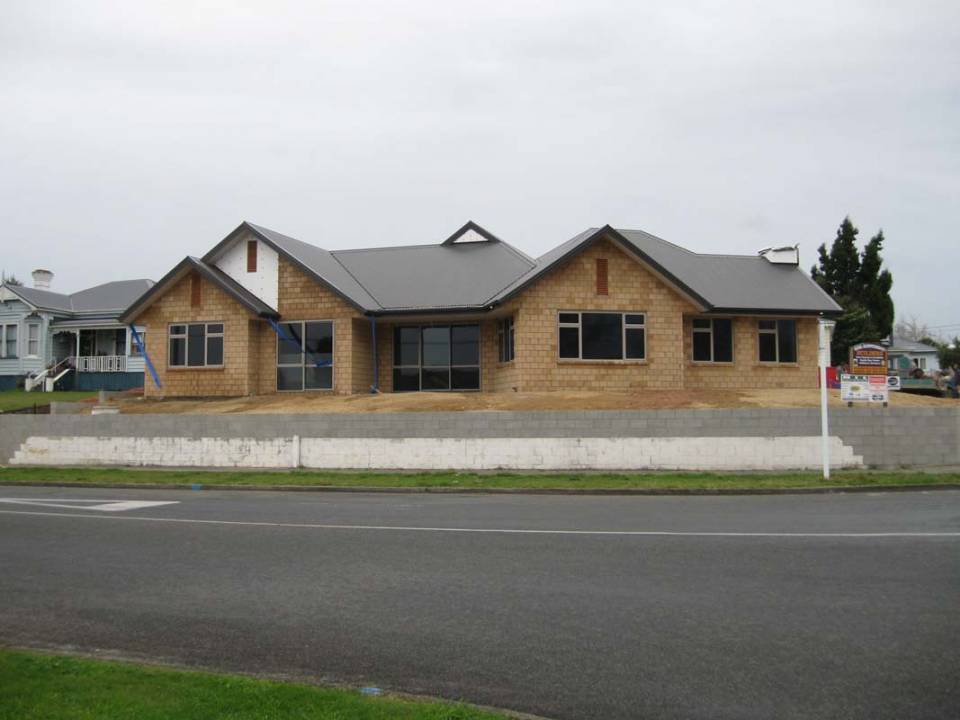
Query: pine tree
{"x": 860, "y": 285}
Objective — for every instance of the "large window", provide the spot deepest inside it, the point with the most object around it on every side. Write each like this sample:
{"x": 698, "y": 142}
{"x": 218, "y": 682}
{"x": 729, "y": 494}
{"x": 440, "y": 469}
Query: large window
{"x": 712, "y": 340}
{"x": 505, "y": 340}
{"x": 436, "y": 357}
{"x": 601, "y": 336}
{"x": 196, "y": 345}
{"x": 305, "y": 355}
{"x": 8, "y": 341}
{"x": 777, "y": 340}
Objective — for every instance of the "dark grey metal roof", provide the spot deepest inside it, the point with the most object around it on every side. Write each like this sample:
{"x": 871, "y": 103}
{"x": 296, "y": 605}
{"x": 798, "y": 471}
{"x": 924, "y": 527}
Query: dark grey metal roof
{"x": 435, "y": 276}
{"x": 476, "y": 275}
{"x": 109, "y": 297}
{"x": 719, "y": 283}
{"x": 737, "y": 282}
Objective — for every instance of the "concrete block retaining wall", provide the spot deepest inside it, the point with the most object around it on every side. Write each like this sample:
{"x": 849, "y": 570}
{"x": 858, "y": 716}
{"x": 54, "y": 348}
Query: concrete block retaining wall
{"x": 670, "y": 439}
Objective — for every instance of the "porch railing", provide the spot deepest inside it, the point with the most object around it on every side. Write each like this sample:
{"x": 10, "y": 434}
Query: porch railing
{"x": 101, "y": 363}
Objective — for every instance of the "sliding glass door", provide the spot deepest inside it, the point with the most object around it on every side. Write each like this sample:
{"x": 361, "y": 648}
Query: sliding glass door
{"x": 436, "y": 357}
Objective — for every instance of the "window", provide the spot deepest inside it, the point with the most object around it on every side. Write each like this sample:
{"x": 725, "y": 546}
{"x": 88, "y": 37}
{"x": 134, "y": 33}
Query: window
{"x": 33, "y": 340}
{"x": 134, "y": 347}
{"x": 601, "y": 336}
{"x": 305, "y": 355}
{"x": 920, "y": 363}
{"x": 777, "y": 340}
{"x": 712, "y": 340}
{"x": 251, "y": 256}
{"x": 505, "y": 340}
{"x": 8, "y": 347}
{"x": 436, "y": 357}
{"x": 196, "y": 345}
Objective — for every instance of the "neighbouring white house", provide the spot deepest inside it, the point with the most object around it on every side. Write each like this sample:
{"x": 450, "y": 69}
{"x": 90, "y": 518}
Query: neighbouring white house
{"x": 903, "y": 354}
{"x": 69, "y": 341}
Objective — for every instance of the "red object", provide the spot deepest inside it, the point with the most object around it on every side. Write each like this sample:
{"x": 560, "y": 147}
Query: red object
{"x": 833, "y": 378}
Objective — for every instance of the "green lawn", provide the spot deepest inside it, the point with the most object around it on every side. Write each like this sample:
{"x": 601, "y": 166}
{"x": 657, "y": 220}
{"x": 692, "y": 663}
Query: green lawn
{"x": 36, "y": 686}
{"x": 470, "y": 481}
{"x": 19, "y": 399}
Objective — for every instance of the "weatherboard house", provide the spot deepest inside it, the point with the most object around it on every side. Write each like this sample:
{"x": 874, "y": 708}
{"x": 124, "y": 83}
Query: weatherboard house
{"x": 608, "y": 310}
{"x": 69, "y": 341}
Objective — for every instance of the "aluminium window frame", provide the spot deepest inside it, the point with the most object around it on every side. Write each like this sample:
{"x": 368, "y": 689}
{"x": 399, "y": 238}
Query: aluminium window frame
{"x": 775, "y": 331}
{"x": 449, "y": 366}
{"x": 186, "y": 344}
{"x": 624, "y": 326}
{"x": 303, "y": 355}
{"x": 506, "y": 340}
{"x": 733, "y": 341}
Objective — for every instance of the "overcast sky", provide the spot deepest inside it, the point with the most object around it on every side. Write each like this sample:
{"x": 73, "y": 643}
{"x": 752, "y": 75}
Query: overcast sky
{"x": 130, "y": 136}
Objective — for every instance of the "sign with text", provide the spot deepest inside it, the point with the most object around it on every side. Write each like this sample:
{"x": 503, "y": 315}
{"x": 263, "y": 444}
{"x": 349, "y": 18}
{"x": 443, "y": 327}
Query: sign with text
{"x": 864, "y": 388}
{"x": 868, "y": 359}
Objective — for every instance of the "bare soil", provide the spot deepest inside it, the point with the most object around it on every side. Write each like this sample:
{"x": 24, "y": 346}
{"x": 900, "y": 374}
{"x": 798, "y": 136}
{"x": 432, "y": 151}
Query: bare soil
{"x": 452, "y": 402}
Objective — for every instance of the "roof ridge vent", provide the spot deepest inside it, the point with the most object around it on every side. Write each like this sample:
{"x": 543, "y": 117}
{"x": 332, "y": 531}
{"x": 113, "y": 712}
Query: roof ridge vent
{"x": 786, "y": 255}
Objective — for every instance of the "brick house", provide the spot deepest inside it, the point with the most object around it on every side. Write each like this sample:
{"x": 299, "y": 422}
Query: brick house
{"x": 614, "y": 310}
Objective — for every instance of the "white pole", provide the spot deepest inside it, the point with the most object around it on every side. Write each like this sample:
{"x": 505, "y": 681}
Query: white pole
{"x": 825, "y": 328}
{"x": 824, "y": 422}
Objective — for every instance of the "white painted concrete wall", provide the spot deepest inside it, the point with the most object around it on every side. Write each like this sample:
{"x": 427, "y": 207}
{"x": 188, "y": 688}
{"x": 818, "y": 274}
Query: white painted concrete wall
{"x": 265, "y": 282}
{"x": 670, "y": 453}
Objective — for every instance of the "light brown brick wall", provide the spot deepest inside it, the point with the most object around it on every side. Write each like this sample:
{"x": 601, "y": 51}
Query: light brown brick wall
{"x": 303, "y": 298}
{"x": 746, "y": 370}
{"x": 573, "y": 287}
{"x": 361, "y": 360}
{"x": 250, "y": 343}
{"x": 234, "y": 378}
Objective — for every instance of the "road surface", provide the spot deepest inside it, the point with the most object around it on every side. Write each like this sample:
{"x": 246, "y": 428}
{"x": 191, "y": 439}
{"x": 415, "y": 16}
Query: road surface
{"x": 790, "y": 606}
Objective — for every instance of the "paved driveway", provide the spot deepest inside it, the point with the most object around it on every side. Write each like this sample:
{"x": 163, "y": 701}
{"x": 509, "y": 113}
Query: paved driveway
{"x": 823, "y": 606}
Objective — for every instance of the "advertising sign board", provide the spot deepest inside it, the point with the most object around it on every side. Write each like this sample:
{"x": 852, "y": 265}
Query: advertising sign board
{"x": 868, "y": 359}
{"x": 864, "y": 388}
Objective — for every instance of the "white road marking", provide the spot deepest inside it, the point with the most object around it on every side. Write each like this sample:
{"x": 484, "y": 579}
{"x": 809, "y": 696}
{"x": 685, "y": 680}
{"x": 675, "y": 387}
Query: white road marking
{"x": 98, "y": 505}
{"x": 502, "y": 531}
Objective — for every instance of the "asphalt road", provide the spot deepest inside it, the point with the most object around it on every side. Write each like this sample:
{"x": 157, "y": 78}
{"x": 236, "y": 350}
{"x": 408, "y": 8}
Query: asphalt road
{"x": 815, "y": 606}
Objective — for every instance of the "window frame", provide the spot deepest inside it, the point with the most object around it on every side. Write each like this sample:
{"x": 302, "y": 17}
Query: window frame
{"x": 185, "y": 336}
{"x": 711, "y": 332}
{"x": 450, "y": 366}
{"x": 3, "y": 341}
{"x": 303, "y": 355}
{"x": 30, "y": 340}
{"x": 775, "y": 331}
{"x": 506, "y": 340}
{"x": 624, "y": 327}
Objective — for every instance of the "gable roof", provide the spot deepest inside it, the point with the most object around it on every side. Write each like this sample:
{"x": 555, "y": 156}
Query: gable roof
{"x": 482, "y": 271}
{"x": 718, "y": 283}
{"x": 211, "y": 273}
{"x": 111, "y": 297}
{"x": 903, "y": 345}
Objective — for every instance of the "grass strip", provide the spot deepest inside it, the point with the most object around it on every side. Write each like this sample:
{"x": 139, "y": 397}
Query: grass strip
{"x": 37, "y": 686}
{"x": 476, "y": 481}
{"x": 20, "y": 399}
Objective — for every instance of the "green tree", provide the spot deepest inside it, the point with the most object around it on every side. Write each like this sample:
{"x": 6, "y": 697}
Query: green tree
{"x": 948, "y": 353}
{"x": 860, "y": 285}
